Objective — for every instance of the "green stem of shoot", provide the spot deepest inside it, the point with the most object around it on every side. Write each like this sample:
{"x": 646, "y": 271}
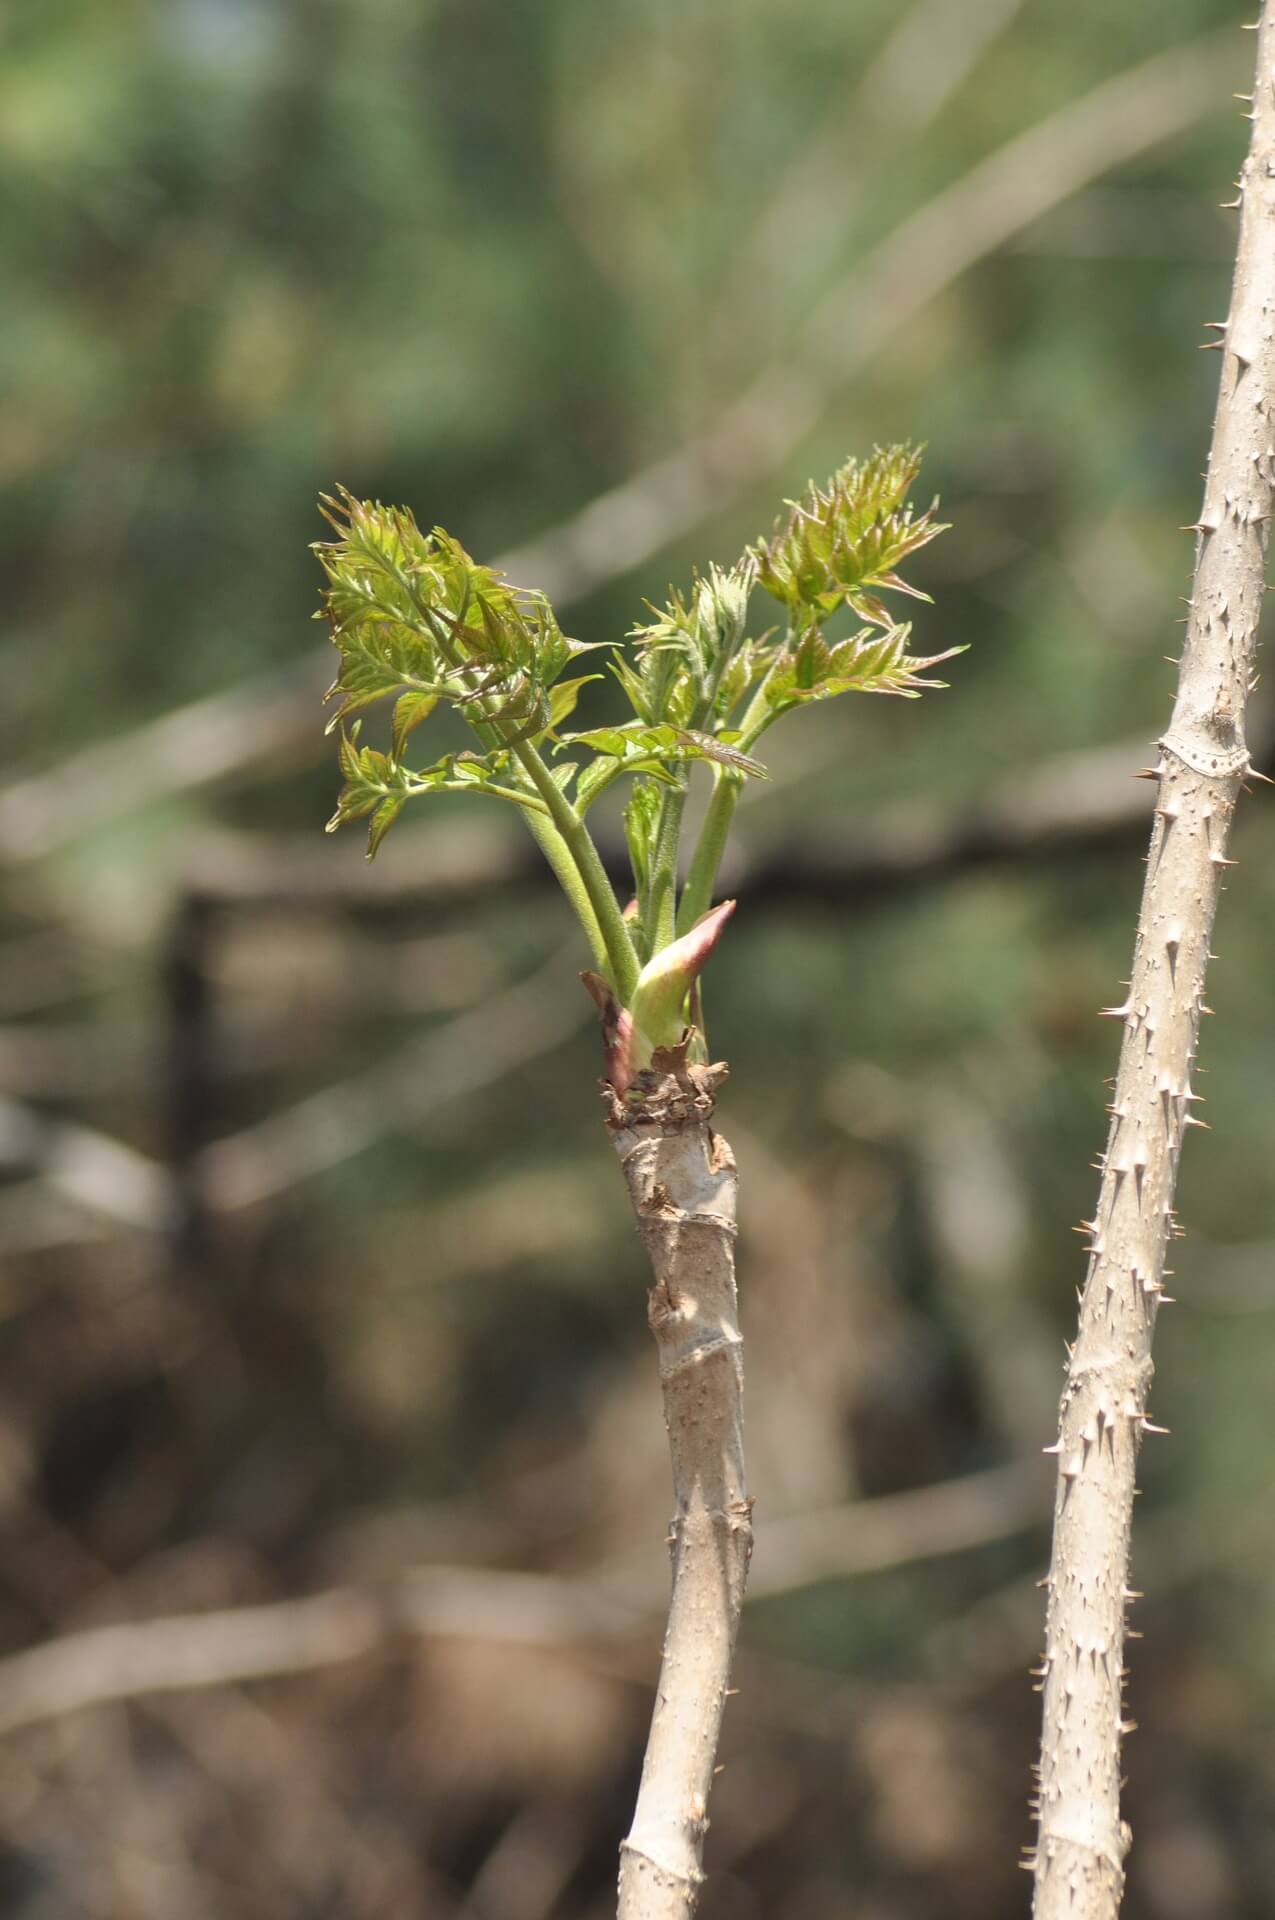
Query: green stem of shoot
{"x": 697, "y": 895}
{"x": 605, "y": 924}
{"x": 567, "y": 874}
{"x": 661, "y": 905}
{"x": 565, "y": 842}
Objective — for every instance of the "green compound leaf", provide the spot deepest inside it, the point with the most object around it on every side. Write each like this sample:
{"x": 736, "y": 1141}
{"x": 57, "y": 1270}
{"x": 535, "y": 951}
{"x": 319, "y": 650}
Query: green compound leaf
{"x": 650, "y": 750}
{"x": 687, "y": 648}
{"x": 412, "y": 612}
{"x": 417, "y": 621}
{"x": 868, "y": 662}
{"x": 633, "y": 742}
{"x": 708, "y": 625}
{"x": 377, "y": 784}
{"x": 843, "y": 540}
{"x": 380, "y": 657}
{"x": 370, "y": 778}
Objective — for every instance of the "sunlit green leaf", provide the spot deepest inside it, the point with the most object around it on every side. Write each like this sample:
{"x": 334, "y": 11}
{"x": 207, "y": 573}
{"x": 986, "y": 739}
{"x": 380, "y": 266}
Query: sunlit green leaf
{"x": 409, "y": 711}
{"x": 562, "y": 701}
{"x": 382, "y": 820}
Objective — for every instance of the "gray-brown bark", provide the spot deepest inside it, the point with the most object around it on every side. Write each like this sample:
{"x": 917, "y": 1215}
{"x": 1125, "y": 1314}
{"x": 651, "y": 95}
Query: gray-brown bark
{"x": 1079, "y": 1865}
{"x": 681, "y": 1180}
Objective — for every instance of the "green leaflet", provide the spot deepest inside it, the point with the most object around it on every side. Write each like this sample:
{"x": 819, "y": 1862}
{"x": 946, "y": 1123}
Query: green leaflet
{"x": 380, "y": 657}
{"x": 562, "y": 702}
{"x": 379, "y": 784}
{"x": 382, "y": 820}
{"x": 867, "y": 662}
{"x": 409, "y": 711}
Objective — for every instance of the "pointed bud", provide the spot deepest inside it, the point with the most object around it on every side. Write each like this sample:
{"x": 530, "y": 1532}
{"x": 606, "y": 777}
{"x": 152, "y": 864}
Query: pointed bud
{"x": 721, "y": 605}
{"x": 659, "y": 1003}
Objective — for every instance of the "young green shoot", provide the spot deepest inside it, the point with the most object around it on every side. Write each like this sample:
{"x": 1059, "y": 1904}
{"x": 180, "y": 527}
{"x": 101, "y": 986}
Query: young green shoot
{"x": 418, "y": 623}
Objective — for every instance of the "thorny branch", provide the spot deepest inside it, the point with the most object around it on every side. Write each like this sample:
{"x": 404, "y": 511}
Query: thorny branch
{"x": 1203, "y": 761}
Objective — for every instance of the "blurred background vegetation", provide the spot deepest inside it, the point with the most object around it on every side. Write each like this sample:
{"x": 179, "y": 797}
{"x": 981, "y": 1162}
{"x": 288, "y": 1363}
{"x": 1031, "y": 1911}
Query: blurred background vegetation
{"x": 322, "y": 1313}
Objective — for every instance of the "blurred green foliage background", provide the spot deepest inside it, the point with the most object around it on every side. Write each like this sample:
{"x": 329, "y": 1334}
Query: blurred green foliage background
{"x": 318, "y": 1276}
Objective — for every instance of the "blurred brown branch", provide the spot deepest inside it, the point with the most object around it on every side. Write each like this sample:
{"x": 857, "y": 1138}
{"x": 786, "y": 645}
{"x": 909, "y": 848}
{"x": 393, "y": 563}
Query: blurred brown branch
{"x": 1067, "y": 801}
{"x": 1072, "y": 801}
{"x": 233, "y": 1645}
{"x": 98, "y": 1173}
{"x": 472, "y": 1050}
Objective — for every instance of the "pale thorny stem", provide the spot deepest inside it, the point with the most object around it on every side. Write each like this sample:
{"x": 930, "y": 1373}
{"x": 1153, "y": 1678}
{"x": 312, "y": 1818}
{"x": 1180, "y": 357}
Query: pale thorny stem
{"x": 681, "y": 1180}
{"x": 1203, "y": 760}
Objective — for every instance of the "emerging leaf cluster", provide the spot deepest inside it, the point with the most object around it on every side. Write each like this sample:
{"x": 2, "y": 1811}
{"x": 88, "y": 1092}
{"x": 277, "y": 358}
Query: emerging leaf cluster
{"x": 417, "y": 622}
{"x": 693, "y": 663}
{"x": 412, "y": 615}
{"x": 848, "y": 538}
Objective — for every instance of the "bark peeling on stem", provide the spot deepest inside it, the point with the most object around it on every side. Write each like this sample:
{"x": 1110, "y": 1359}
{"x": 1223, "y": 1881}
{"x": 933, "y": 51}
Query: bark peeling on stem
{"x": 681, "y": 1181}
{"x": 1082, "y": 1841}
